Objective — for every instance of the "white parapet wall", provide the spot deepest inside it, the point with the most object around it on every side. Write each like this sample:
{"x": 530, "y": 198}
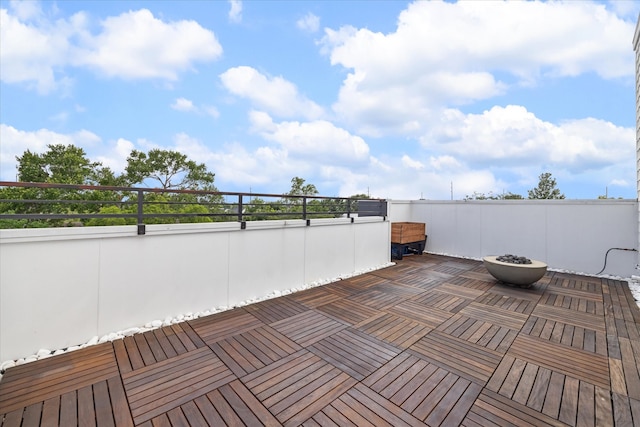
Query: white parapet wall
{"x": 571, "y": 235}
{"x": 61, "y": 286}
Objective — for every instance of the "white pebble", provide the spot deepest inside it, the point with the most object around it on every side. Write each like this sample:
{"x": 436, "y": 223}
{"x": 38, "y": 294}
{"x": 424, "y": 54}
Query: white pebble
{"x": 156, "y": 323}
{"x": 93, "y": 340}
{"x": 31, "y": 358}
{"x": 73, "y": 348}
{"x": 130, "y": 331}
{"x": 57, "y": 352}
{"x": 20, "y": 362}
{"x": 43, "y": 352}
{"x": 8, "y": 364}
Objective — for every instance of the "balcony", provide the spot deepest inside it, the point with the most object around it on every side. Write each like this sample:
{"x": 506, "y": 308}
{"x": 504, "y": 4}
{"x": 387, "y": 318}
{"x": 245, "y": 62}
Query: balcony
{"x": 432, "y": 340}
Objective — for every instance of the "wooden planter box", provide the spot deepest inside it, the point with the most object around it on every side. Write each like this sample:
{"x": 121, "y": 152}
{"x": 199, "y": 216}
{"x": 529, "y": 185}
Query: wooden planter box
{"x": 407, "y": 232}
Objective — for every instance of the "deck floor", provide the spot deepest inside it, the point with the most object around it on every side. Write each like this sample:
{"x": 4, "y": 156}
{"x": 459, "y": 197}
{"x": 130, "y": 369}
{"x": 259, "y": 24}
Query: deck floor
{"x": 431, "y": 341}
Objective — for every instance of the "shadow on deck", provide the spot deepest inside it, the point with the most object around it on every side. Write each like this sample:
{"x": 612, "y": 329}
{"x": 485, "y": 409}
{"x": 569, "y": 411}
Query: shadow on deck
{"x": 433, "y": 340}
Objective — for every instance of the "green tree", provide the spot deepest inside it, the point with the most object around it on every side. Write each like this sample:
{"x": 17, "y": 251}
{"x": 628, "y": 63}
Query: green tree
{"x": 546, "y": 188}
{"x": 61, "y": 164}
{"x": 299, "y": 188}
{"x": 512, "y": 196}
{"x": 171, "y": 169}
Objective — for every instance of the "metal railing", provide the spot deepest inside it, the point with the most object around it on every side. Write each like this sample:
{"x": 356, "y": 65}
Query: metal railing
{"x": 30, "y": 204}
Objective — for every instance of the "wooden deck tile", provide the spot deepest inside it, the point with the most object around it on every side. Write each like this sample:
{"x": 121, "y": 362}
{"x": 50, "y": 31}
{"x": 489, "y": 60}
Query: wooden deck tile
{"x": 419, "y": 280}
{"x": 376, "y": 299}
{"x": 571, "y": 317}
{"x": 347, "y": 311}
{"x": 495, "y": 315}
{"x": 492, "y": 409}
{"x": 481, "y": 333}
{"x": 362, "y": 407}
{"x": 413, "y": 310}
{"x": 561, "y": 333}
{"x": 254, "y": 349}
{"x": 354, "y": 352}
{"x": 425, "y": 390}
{"x": 298, "y": 386}
{"x": 580, "y": 364}
{"x": 308, "y": 327}
{"x": 441, "y": 300}
{"x": 315, "y": 297}
{"x": 354, "y": 285}
{"x": 393, "y": 329}
{"x": 226, "y": 324}
{"x": 469, "y": 280}
{"x": 36, "y": 382}
{"x": 460, "y": 357}
{"x": 507, "y": 297}
{"x": 159, "y": 388}
{"x": 275, "y": 309}
{"x": 231, "y": 404}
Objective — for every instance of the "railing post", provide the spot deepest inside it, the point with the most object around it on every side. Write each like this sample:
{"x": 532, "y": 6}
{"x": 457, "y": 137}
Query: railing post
{"x": 141, "y": 227}
{"x": 304, "y": 209}
{"x": 240, "y": 207}
{"x": 349, "y": 207}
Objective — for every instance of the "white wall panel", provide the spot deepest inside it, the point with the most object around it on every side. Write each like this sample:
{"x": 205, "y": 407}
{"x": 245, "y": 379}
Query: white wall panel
{"x": 262, "y": 261}
{"x": 48, "y": 295}
{"x": 329, "y": 251}
{"x": 144, "y": 278}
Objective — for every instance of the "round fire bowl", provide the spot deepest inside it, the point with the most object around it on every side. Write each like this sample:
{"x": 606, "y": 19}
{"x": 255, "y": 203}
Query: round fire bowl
{"x": 523, "y": 275}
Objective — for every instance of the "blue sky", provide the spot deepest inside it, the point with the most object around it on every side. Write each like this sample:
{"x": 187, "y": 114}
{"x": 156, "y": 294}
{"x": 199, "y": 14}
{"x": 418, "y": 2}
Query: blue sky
{"x": 397, "y": 99}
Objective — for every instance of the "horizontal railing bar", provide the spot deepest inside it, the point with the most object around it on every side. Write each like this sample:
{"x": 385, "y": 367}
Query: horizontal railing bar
{"x": 160, "y": 190}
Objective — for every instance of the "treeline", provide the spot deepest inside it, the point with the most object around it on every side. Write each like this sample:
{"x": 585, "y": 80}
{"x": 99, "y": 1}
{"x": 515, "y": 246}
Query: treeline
{"x": 163, "y": 169}
{"x": 546, "y": 189}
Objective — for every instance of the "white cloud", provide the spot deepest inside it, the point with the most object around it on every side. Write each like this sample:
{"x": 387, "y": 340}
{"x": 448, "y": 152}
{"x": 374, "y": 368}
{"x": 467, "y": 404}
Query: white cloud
{"x": 187, "y": 106}
{"x": 211, "y": 111}
{"x": 317, "y": 141}
{"x": 273, "y": 94}
{"x": 161, "y": 49}
{"x": 309, "y": 23}
{"x": 445, "y": 54}
{"x": 31, "y": 53}
{"x": 183, "y": 104}
{"x": 235, "y": 12}
{"x": 511, "y": 136}
{"x": 410, "y": 163}
{"x": 134, "y": 45}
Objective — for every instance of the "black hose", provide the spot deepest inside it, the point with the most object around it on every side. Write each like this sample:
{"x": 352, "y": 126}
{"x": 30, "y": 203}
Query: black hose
{"x": 607, "y": 254}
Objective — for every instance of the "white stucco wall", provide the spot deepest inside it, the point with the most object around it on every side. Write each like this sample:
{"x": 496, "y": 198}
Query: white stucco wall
{"x": 566, "y": 234}
{"x": 60, "y": 287}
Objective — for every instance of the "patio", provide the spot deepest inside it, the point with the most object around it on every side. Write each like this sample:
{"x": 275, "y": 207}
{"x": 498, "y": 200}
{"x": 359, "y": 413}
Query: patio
{"x": 433, "y": 340}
